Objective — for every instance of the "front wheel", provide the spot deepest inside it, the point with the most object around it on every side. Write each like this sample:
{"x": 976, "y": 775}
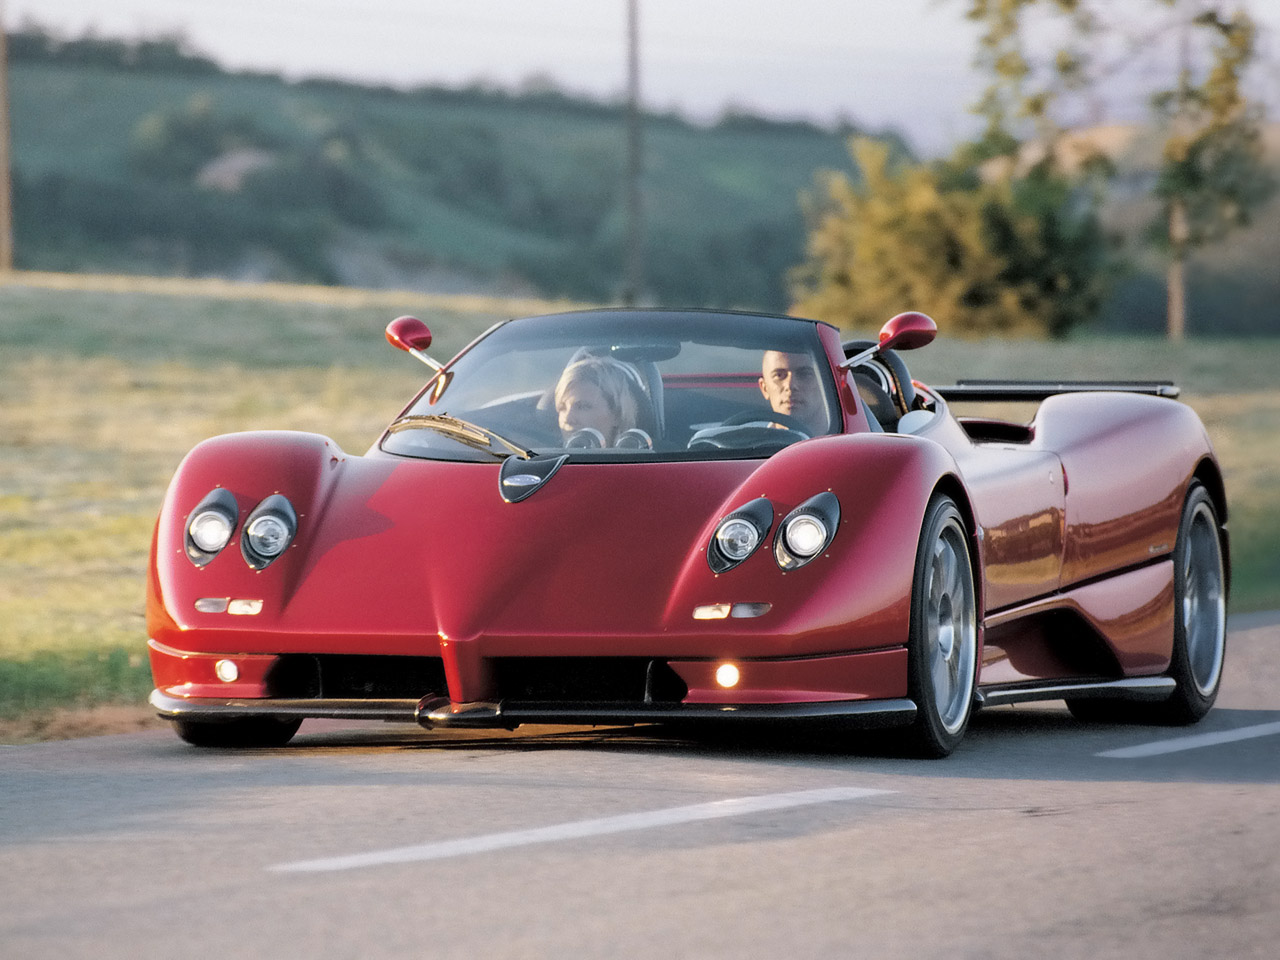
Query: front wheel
{"x": 244, "y": 732}
{"x": 942, "y": 649}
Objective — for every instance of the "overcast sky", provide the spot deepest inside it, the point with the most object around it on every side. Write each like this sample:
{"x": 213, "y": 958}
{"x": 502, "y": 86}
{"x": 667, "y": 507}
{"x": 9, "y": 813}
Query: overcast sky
{"x": 903, "y": 63}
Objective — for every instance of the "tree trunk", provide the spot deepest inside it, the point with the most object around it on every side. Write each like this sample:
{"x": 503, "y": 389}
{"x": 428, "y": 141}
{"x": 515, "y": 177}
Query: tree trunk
{"x": 1177, "y": 279}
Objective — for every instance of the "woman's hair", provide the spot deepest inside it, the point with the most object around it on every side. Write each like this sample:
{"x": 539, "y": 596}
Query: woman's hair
{"x": 619, "y": 384}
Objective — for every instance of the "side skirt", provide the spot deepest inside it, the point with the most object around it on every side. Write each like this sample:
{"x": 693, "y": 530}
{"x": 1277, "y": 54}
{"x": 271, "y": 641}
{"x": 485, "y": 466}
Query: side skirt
{"x": 1130, "y": 688}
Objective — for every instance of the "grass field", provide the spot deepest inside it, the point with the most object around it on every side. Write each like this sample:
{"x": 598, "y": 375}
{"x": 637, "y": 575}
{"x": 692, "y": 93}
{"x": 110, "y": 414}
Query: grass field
{"x": 103, "y": 390}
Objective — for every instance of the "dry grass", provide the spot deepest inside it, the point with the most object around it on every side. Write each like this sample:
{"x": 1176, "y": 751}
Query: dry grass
{"x": 217, "y": 288}
{"x": 69, "y": 724}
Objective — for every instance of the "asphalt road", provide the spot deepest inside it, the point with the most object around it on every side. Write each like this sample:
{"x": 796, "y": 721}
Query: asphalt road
{"x": 1035, "y": 839}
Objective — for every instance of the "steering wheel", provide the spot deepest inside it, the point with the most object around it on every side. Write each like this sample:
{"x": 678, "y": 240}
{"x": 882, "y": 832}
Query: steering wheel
{"x": 755, "y": 416}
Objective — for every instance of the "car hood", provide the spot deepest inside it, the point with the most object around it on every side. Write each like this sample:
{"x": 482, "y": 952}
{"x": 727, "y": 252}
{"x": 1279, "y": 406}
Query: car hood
{"x": 598, "y": 545}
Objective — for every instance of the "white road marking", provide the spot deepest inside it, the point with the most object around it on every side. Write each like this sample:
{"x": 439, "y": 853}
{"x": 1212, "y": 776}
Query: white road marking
{"x": 1193, "y": 742}
{"x": 715, "y": 810}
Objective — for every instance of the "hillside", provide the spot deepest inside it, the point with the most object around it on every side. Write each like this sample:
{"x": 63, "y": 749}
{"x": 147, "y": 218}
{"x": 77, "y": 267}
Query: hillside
{"x": 144, "y": 158}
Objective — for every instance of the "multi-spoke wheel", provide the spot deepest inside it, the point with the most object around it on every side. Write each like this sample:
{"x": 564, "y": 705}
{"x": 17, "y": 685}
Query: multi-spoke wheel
{"x": 1199, "y": 627}
{"x": 943, "y": 644}
{"x": 243, "y": 732}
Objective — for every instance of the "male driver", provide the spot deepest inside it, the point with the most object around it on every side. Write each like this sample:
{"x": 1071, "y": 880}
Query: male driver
{"x": 789, "y": 382}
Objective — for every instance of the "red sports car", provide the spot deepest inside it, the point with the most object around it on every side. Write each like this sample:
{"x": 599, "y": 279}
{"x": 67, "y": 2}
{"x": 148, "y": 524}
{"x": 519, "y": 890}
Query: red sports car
{"x": 635, "y": 516}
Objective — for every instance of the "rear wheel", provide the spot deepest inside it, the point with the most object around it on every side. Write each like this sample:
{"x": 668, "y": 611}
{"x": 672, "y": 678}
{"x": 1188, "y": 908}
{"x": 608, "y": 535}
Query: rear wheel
{"x": 1199, "y": 628}
{"x": 943, "y": 645}
{"x": 245, "y": 732}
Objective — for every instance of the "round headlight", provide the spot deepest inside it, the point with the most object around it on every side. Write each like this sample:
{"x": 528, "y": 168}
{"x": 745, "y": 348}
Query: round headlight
{"x": 805, "y": 535}
{"x": 268, "y": 535}
{"x": 736, "y": 538}
{"x": 210, "y": 530}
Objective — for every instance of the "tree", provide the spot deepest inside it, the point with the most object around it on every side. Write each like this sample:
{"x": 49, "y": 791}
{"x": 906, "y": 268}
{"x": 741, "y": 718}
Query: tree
{"x": 991, "y": 241}
{"x": 1212, "y": 173}
{"x": 983, "y": 256}
{"x": 1212, "y": 176}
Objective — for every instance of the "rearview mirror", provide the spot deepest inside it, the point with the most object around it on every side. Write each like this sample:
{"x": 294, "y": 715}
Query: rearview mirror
{"x": 908, "y": 331}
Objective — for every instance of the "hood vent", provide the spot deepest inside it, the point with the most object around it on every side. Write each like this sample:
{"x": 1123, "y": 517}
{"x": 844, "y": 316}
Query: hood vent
{"x": 520, "y": 479}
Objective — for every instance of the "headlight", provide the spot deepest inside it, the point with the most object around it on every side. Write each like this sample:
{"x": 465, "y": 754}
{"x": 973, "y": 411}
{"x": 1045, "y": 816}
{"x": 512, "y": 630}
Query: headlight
{"x": 739, "y": 534}
{"x": 807, "y": 531}
{"x": 211, "y": 530}
{"x": 268, "y": 536}
{"x": 210, "y": 526}
{"x": 268, "y": 531}
{"x": 737, "y": 538}
{"x": 805, "y": 535}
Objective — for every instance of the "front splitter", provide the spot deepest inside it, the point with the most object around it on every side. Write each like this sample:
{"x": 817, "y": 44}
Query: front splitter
{"x": 439, "y": 712}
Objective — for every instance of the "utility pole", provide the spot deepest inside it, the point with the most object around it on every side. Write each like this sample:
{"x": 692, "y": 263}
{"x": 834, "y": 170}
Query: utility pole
{"x": 635, "y": 213}
{"x": 6, "y": 168}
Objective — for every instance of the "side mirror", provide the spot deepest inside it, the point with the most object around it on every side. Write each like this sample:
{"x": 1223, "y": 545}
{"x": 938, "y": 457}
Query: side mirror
{"x": 409, "y": 334}
{"x": 908, "y": 331}
{"x": 412, "y": 336}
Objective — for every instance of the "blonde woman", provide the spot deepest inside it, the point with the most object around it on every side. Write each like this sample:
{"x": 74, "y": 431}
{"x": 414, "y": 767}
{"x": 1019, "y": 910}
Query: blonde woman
{"x": 599, "y": 394}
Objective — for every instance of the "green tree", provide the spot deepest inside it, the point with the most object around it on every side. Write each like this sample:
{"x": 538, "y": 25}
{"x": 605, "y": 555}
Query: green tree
{"x": 982, "y": 255}
{"x": 994, "y": 240}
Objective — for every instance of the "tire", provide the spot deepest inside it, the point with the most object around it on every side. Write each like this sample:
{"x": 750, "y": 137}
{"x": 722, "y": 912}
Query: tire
{"x": 1199, "y": 626}
{"x": 942, "y": 648}
{"x": 1200, "y": 623}
{"x": 245, "y": 732}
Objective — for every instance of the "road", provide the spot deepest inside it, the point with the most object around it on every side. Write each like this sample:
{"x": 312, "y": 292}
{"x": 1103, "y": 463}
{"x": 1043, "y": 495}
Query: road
{"x": 366, "y": 841}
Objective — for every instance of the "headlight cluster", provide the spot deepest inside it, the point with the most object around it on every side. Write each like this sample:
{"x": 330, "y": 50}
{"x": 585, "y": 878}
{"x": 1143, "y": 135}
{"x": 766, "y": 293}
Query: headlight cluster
{"x": 802, "y": 535}
{"x": 267, "y": 532}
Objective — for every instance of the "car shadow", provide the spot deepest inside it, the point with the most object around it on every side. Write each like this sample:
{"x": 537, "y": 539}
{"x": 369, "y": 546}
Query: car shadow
{"x": 1023, "y": 742}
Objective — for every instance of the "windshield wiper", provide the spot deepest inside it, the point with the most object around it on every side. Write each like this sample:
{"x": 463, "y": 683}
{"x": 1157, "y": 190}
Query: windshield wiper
{"x": 464, "y": 431}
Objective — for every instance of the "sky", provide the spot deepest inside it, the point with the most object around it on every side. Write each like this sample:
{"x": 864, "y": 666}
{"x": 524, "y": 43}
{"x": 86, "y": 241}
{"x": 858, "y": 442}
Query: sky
{"x": 879, "y": 63}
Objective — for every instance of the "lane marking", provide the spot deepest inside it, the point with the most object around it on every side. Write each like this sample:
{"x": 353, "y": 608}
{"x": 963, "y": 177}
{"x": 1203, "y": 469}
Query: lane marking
{"x": 1193, "y": 742}
{"x": 465, "y": 846}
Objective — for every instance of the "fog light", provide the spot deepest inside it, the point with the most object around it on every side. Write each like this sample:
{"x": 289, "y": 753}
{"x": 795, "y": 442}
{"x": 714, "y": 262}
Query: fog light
{"x": 244, "y": 608}
{"x": 212, "y": 605}
{"x": 727, "y": 675}
{"x": 227, "y": 671}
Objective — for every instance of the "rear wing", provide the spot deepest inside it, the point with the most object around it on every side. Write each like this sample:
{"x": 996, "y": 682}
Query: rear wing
{"x": 1036, "y": 390}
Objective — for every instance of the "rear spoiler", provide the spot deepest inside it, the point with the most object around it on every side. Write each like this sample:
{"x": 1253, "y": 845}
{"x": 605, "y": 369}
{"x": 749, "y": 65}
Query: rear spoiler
{"x": 1036, "y": 390}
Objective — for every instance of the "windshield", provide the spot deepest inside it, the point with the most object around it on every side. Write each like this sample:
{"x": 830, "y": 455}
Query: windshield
{"x": 630, "y": 385}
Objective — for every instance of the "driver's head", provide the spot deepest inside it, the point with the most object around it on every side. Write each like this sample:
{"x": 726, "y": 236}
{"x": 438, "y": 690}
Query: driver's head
{"x": 789, "y": 381}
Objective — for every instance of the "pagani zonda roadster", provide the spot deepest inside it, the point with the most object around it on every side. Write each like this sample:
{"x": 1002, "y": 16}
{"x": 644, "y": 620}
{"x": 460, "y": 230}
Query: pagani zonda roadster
{"x": 634, "y": 516}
